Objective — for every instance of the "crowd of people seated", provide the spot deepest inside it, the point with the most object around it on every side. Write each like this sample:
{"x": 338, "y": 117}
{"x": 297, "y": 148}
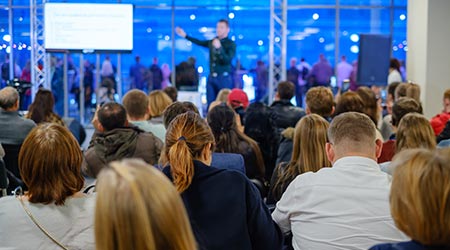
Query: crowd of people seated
{"x": 342, "y": 173}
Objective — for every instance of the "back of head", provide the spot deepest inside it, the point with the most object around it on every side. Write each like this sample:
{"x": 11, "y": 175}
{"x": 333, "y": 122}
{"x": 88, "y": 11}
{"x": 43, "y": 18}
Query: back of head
{"x": 177, "y": 108}
{"x": 392, "y": 88}
{"x": 136, "y": 104}
{"x": 414, "y": 131}
{"x": 172, "y": 92}
{"x": 158, "y": 102}
{"x": 50, "y": 164}
{"x": 42, "y": 106}
{"x": 112, "y": 115}
{"x": 394, "y": 64}
{"x": 8, "y": 98}
{"x": 349, "y": 101}
{"x": 222, "y": 120}
{"x": 186, "y": 139}
{"x": 138, "y": 208}
{"x": 352, "y": 132}
{"x": 286, "y": 90}
{"x": 259, "y": 124}
{"x": 447, "y": 94}
{"x": 420, "y": 196}
{"x": 370, "y": 102}
{"x": 238, "y": 98}
{"x": 404, "y": 106}
{"x": 223, "y": 95}
{"x": 411, "y": 90}
{"x": 320, "y": 100}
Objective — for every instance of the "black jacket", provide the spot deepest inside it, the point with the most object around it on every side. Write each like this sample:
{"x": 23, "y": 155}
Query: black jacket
{"x": 286, "y": 114}
{"x": 227, "y": 212}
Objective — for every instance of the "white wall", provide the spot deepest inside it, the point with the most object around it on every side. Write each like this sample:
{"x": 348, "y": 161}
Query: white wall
{"x": 428, "y": 58}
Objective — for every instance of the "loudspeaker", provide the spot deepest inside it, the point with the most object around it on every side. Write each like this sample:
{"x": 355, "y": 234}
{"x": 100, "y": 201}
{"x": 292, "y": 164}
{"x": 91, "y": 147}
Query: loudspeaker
{"x": 373, "y": 59}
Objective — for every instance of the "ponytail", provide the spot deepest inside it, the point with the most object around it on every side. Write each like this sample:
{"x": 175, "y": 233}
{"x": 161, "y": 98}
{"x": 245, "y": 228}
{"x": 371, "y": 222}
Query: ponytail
{"x": 181, "y": 165}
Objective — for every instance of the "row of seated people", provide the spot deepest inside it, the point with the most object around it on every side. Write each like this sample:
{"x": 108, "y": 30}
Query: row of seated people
{"x": 317, "y": 119}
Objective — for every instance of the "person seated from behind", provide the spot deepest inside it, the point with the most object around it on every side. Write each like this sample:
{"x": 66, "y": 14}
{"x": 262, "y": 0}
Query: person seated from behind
{"x": 308, "y": 155}
{"x": 414, "y": 131}
{"x": 403, "y": 106}
{"x": 229, "y": 139}
{"x": 439, "y": 121}
{"x": 345, "y": 206}
{"x": 286, "y": 114}
{"x": 41, "y": 110}
{"x": 50, "y": 165}
{"x": 116, "y": 140}
{"x": 222, "y": 97}
{"x": 225, "y": 209}
{"x": 14, "y": 128}
{"x": 158, "y": 101}
{"x": 423, "y": 214}
{"x": 172, "y": 92}
{"x": 138, "y": 208}
{"x": 238, "y": 101}
{"x": 219, "y": 160}
{"x": 136, "y": 104}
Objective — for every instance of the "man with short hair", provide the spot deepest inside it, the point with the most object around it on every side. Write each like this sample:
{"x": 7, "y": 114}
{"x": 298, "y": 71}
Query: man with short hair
{"x": 321, "y": 72}
{"x": 345, "y": 206}
{"x": 221, "y": 52}
{"x": 115, "y": 140}
{"x": 286, "y": 114}
{"x": 14, "y": 128}
{"x": 320, "y": 100}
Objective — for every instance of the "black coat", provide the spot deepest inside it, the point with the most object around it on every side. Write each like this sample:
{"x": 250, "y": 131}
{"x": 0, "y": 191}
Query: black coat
{"x": 286, "y": 114}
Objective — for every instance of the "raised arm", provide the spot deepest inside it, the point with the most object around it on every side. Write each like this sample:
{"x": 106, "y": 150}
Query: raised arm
{"x": 182, "y": 33}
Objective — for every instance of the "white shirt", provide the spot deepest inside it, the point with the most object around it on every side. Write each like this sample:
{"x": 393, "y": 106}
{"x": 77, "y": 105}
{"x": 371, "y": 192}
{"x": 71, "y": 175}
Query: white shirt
{"x": 394, "y": 76}
{"x": 343, "y": 207}
{"x": 344, "y": 69}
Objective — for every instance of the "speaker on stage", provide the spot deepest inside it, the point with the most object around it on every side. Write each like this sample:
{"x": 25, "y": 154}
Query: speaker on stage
{"x": 373, "y": 59}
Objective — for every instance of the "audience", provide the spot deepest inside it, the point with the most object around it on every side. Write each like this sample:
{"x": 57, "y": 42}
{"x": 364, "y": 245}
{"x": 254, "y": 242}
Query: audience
{"x": 438, "y": 122}
{"x": 172, "y": 92}
{"x": 50, "y": 165}
{"x": 403, "y": 106}
{"x": 41, "y": 110}
{"x": 345, "y": 206}
{"x": 372, "y": 107}
{"x": 138, "y": 208}
{"x": 419, "y": 199}
{"x": 386, "y": 128}
{"x": 225, "y": 209}
{"x": 115, "y": 140}
{"x": 222, "y": 97}
{"x": 349, "y": 102}
{"x": 158, "y": 101}
{"x": 286, "y": 114}
{"x": 308, "y": 154}
{"x": 229, "y": 139}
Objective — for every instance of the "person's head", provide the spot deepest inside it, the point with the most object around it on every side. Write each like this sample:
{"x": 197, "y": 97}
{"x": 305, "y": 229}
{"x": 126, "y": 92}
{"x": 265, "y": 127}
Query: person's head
{"x": 402, "y": 107}
{"x": 222, "y": 96}
{"x": 320, "y": 100}
{"x": 420, "y": 197}
{"x": 137, "y": 59}
{"x": 394, "y": 64}
{"x": 222, "y": 28}
{"x": 391, "y": 96}
{"x": 112, "y": 115}
{"x": 414, "y": 131}
{"x": 260, "y": 126}
{"x": 42, "y": 106}
{"x": 343, "y": 58}
{"x": 238, "y": 98}
{"x": 9, "y": 99}
{"x": 188, "y": 138}
{"x": 349, "y": 101}
{"x": 172, "y": 92}
{"x": 446, "y": 101}
{"x": 411, "y": 90}
{"x": 136, "y": 105}
{"x": 352, "y": 134}
{"x": 158, "y": 101}
{"x": 370, "y": 101}
{"x": 308, "y": 153}
{"x": 175, "y": 109}
{"x": 50, "y": 164}
{"x": 138, "y": 208}
{"x": 285, "y": 90}
{"x": 293, "y": 62}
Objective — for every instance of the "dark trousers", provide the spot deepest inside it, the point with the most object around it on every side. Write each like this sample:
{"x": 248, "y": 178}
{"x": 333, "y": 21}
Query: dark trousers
{"x": 215, "y": 84}
{"x": 300, "y": 91}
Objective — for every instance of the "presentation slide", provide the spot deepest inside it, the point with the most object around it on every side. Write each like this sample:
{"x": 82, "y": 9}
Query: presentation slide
{"x": 88, "y": 27}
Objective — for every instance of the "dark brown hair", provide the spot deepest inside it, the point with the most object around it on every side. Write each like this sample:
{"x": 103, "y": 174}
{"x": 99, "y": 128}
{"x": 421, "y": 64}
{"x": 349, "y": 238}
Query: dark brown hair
{"x": 50, "y": 164}
{"x": 320, "y": 101}
{"x": 347, "y": 102}
{"x": 286, "y": 90}
{"x": 404, "y": 106}
{"x": 136, "y": 103}
{"x": 41, "y": 110}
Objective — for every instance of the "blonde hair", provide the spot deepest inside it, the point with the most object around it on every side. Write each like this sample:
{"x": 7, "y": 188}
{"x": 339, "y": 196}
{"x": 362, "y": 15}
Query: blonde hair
{"x": 158, "y": 101}
{"x": 414, "y": 131}
{"x": 420, "y": 195}
{"x": 223, "y": 95}
{"x": 138, "y": 208}
{"x": 186, "y": 138}
{"x": 308, "y": 153}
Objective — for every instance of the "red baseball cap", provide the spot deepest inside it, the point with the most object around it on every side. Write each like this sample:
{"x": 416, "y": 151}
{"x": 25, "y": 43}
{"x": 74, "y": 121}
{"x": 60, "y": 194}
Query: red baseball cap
{"x": 238, "y": 97}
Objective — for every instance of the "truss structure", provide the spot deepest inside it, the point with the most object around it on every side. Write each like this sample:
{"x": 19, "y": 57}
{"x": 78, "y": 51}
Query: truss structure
{"x": 40, "y": 73}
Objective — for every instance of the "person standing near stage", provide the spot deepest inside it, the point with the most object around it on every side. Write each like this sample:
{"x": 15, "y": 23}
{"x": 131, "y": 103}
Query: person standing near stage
{"x": 221, "y": 52}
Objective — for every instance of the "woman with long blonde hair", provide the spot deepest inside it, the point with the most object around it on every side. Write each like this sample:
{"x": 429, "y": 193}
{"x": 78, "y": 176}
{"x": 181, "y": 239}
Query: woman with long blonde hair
{"x": 308, "y": 154}
{"x": 224, "y": 207}
{"x": 138, "y": 208}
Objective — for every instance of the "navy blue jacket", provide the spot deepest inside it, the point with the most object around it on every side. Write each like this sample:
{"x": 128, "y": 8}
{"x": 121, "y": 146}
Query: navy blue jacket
{"x": 226, "y": 211}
